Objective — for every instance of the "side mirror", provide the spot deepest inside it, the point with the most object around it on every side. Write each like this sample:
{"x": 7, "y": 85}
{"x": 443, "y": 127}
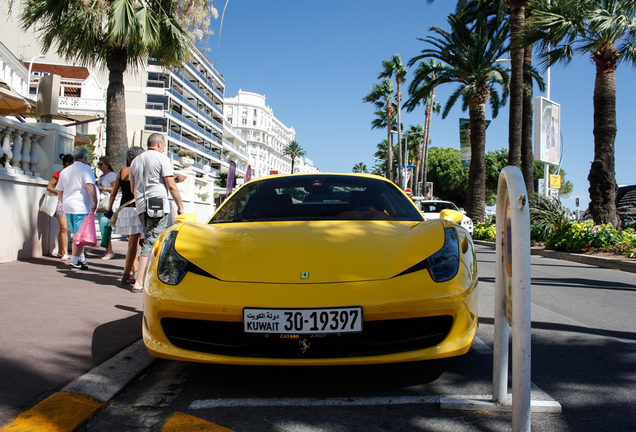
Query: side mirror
{"x": 185, "y": 217}
{"x": 451, "y": 215}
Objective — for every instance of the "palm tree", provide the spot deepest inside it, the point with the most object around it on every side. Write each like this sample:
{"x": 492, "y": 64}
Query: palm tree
{"x": 417, "y": 97}
{"x": 115, "y": 34}
{"x": 294, "y": 151}
{"x": 391, "y": 67}
{"x": 381, "y": 96}
{"x": 606, "y": 31}
{"x": 469, "y": 53}
{"x": 414, "y": 137}
{"x": 360, "y": 167}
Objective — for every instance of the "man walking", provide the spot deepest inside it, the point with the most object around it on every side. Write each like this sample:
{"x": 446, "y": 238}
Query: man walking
{"x": 151, "y": 177}
{"x": 78, "y": 195}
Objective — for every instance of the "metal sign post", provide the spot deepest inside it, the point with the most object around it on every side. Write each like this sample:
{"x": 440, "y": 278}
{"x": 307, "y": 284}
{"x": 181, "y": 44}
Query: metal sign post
{"x": 512, "y": 297}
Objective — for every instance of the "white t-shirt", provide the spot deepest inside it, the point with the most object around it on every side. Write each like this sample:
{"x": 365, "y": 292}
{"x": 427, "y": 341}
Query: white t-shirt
{"x": 147, "y": 171}
{"x": 73, "y": 181}
{"x": 106, "y": 181}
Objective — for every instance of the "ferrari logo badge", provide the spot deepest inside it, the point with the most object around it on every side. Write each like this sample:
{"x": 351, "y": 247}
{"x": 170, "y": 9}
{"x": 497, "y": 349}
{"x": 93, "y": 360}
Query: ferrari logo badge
{"x": 304, "y": 345}
{"x": 304, "y": 275}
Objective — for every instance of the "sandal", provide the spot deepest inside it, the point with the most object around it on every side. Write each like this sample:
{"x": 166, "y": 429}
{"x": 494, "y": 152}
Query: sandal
{"x": 127, "y": 279}
{"x": 136, "y": 290}
{"x": 64, "y": 257}
{"x": 108, "y": 256}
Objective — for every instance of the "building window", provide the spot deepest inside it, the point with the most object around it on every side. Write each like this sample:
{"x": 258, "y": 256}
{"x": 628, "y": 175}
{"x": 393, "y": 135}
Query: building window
{"x": 156, "y": 124}
{"x": 244, "y": 121}
{"x": 156, "y": 102}
{"x": 244, "y": 112}
{"x": 230, "y": 110}
{"x": 229, "y": 120}
{"x": 155, "y": 79}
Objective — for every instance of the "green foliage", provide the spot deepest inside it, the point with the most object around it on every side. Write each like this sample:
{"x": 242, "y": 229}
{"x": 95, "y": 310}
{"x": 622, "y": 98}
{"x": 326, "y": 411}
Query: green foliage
{"x": 450, "y": 179}
{"x": 583, "y": 237}
{"x": 547, "y": 216}
{"x": 485, "y": 231}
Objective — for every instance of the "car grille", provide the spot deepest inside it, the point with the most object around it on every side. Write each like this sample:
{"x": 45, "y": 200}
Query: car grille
{"x": 377, "y": 338}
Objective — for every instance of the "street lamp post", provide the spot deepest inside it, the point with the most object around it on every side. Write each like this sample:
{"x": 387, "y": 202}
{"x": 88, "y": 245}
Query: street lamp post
{"x": 29, "y": 78}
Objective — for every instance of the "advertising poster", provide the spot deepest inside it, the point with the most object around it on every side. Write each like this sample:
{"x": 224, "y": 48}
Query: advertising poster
{"x": 547, "y": 134}
{"x": 464, "y": 140}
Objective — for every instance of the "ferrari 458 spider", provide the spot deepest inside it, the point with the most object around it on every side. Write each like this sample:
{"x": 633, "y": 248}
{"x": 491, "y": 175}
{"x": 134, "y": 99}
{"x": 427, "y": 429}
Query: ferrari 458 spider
{"x": 320, "y": 269}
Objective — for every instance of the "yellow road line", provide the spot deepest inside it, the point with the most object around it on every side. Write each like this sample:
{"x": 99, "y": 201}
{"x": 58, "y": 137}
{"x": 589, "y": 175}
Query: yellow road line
{"x": 180, "y": 422}
{"x": 60, "y": 412}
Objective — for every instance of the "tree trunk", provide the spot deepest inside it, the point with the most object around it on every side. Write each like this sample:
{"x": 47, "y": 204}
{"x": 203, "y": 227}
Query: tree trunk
{"x": 602, "y": 175}
{"x": 427, "y": 130}
{"x": 527, "y": 159}
{"x": 517, "y": 17}
{"x": 116, "y": 130}
{"x": 401, "y": 178}
{"x": 389, "y": 143}
{"x": 476, "y": 193}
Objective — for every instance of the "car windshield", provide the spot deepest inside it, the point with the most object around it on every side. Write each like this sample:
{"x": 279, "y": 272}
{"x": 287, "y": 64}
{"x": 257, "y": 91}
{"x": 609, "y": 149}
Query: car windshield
{"x": 317, "y": 197}
{"x": 436, "y": 207}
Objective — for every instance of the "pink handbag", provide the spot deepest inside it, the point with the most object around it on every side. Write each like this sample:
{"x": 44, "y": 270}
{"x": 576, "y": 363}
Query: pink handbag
{"x": 86, "y": 235}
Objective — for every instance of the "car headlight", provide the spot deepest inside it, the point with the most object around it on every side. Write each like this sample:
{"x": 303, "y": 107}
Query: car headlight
{"x": 172, "y": 267}
{"x": 444, "y": 264}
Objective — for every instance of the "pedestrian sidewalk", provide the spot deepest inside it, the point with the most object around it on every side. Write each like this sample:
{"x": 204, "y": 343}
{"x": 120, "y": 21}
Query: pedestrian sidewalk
{"x": 57, "y": 323}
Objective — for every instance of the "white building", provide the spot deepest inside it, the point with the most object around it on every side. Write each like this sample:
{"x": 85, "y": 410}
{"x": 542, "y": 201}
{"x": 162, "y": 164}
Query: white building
{"x": 185, "y": 104}
{"x": 265, "y": 135}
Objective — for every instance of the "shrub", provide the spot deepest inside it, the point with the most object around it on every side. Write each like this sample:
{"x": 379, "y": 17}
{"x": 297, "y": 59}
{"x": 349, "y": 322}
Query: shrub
{"x": 485, "y": 231}
{"x": 582, "y": 237}
{"x": 547, "y": 216}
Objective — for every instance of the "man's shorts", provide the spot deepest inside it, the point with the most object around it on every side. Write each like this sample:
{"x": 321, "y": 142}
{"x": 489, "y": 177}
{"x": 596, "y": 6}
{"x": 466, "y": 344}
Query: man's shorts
{"x": 152, "y": 228}
{"x": 74, "y": 221}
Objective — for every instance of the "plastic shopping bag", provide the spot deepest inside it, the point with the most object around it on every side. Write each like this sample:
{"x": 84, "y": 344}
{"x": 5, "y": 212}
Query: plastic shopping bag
{"x": 86, "y": 235}
{"x": 106, "y": 234}
{"x": 49, "y": 204}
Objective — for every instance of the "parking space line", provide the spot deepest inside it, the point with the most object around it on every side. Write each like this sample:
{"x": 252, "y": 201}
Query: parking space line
{"x": 60, "y": 412}
{"x": 180, "y": 422}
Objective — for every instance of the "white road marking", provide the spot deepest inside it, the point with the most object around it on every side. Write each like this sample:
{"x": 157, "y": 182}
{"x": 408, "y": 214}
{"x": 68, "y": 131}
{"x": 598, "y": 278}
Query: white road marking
{"x": 312, "y": 402}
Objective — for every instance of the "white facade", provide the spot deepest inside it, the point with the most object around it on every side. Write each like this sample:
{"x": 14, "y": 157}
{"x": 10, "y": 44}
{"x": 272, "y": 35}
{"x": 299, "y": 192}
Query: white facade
{"x": 185, "y": 104}
{"x": 265, "y": 135}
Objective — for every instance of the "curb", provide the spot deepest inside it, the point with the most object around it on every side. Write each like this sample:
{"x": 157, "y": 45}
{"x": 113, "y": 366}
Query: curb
{"x": 604, "y": 262}
{"x": 76, "y": 402}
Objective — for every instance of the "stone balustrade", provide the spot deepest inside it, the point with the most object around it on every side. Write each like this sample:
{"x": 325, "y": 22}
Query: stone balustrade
{"x": 20, "y": 143}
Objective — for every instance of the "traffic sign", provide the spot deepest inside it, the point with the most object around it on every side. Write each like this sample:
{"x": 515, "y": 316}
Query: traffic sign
{"x": 408, "y": 192}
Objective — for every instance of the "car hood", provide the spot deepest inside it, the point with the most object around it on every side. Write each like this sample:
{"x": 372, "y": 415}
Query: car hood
{"x": 323, "y": 251}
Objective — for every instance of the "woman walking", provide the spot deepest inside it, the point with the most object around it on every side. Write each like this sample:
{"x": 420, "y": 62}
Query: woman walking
{"x": 105, "y": 186}
{"x": 62, "y": 237}
{"x": 128, "y": 222}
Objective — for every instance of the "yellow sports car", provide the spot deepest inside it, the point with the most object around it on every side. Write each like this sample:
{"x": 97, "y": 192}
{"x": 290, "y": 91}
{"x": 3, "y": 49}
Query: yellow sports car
{"x": 320, "y": 269}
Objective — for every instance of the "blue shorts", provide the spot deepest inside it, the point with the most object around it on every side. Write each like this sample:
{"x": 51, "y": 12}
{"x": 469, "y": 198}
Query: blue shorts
{"x": 74, "y": 221}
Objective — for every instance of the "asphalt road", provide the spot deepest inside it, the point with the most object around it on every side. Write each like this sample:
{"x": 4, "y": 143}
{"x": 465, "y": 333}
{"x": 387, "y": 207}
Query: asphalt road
{"x": 583, "y": 356}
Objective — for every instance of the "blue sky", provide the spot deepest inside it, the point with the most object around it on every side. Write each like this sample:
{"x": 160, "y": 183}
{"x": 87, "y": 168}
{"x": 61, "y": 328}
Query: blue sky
{"x": 315, "y": 61}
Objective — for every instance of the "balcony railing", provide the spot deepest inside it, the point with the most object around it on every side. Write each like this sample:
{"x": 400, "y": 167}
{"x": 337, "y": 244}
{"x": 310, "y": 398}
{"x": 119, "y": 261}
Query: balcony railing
{"x": 199, "y": 92}
{"x": 194, "y": 107}
{"x": 82, "y": 104}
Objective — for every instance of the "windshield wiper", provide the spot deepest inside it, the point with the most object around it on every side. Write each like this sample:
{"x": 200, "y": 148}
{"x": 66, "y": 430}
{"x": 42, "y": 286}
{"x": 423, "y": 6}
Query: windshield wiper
{"x": 231, "y": 220}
